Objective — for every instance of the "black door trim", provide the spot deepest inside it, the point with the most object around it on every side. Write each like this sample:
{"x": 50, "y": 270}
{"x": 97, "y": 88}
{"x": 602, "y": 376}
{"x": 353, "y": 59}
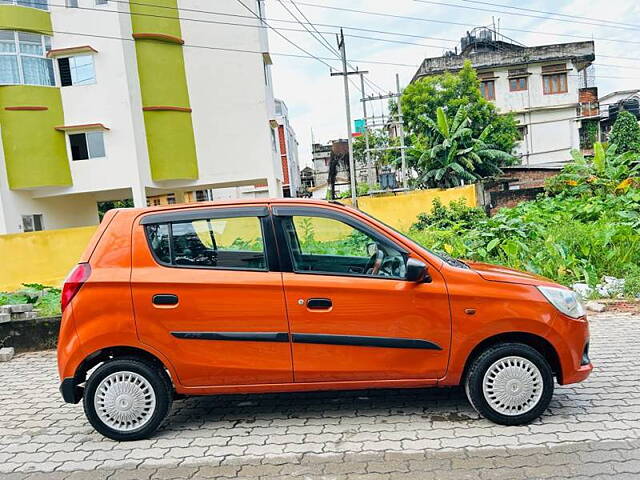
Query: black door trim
{"x": 362, "y": 341}
{"x": 234, "y": 336}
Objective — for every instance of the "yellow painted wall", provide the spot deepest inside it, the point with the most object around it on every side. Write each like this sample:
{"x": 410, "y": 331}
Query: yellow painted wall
{"x": 40, "y": 257}
{"x": 402, "y": 210}
{"x": 46, "y": 257}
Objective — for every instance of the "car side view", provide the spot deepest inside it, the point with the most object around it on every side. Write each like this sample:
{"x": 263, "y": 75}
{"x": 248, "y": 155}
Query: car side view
{"x": 294, "y": 295}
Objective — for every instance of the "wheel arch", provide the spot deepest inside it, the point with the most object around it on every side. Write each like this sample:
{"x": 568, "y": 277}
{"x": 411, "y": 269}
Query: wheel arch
{"x": 540, "y": 344}
{"x": 72, "y": 385}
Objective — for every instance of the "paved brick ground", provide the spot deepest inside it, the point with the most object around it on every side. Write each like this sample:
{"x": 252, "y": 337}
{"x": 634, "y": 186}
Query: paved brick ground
{"x": 592, "y": 430}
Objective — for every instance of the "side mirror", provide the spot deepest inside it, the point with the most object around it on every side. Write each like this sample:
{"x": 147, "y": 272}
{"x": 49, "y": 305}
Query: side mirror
{"x": 417, "y": 271}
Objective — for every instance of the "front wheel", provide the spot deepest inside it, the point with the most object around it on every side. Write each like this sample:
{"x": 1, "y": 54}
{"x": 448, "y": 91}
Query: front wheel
{"x": 127, "y": 399}
{"x": 510, "y": 384}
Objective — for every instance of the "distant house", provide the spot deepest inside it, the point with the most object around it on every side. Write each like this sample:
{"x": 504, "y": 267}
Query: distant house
{"x": 547, "y": 87}
{"x": 613, "y": 103}
{"x": 288, "y": 144}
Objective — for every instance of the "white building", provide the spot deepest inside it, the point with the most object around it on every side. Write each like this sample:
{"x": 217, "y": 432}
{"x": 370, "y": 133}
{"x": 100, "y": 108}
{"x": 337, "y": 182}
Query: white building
{"x": 288, "y": 145}
{"x": 544, "y": 86}
{"x": 130, "y": 100}
{"x": 613, "y": 103}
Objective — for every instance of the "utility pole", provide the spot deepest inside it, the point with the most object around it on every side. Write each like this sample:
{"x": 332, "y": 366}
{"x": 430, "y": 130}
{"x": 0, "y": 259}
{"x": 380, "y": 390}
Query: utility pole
{"x": 370, "y": 175}
{"x": 403, "y": 157}
{"x": 345, "y": 74}
{"x": 391, "y": 120}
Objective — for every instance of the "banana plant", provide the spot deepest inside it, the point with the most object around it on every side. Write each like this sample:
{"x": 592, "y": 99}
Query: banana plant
{"x": 452, "y": 156}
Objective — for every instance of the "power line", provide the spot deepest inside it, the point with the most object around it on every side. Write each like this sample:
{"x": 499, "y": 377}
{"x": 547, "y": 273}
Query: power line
{"x": 371, "y": 83}
{"x": 520, "y": 14}
{"x": 466, "y": 25}
{"x": 217, "y": 22}
{"x": 320, "y": 40}
{"x": 283, "y": 36}
{"x": 520, "y": 8}
{"x": 302, "y": 31}
{"x": 234, "y": 50}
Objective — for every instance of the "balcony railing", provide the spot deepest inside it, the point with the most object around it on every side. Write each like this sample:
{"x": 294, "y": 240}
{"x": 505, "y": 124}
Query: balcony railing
{"x": 39, "y": 4}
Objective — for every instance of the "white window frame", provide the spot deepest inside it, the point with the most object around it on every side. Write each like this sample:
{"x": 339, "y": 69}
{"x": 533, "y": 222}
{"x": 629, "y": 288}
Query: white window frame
{"x": 85, "y": 132}
{"x": 46, "y": 46}
{"x": 33, "y": 215}
{"x": 59, "y": 77}
{"x": 18, "y": 2}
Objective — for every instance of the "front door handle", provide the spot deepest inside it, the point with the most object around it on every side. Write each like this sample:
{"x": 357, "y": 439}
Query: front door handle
{"x": 319, "y": 304}
{"x": 165, "y": 299}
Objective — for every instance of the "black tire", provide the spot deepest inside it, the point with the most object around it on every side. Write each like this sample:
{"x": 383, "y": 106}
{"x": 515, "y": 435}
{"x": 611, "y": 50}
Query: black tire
{"x": 154, "y": 375}
{"x": 475, "y": 378}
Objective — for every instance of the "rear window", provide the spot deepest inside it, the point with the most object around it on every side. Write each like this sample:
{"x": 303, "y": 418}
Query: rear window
{"x": 226, "y": 243}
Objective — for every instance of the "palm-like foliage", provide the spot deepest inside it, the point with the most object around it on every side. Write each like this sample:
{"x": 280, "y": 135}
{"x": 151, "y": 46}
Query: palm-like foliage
{"x": 451, "y": 156}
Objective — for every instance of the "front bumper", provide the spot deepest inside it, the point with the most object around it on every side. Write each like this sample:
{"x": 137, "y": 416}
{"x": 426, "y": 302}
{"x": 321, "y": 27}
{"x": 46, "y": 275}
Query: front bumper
{"x": 70, "y": 391}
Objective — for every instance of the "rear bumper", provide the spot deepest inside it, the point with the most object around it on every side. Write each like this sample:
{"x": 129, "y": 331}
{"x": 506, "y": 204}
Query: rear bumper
{"x": 71, "y": 393}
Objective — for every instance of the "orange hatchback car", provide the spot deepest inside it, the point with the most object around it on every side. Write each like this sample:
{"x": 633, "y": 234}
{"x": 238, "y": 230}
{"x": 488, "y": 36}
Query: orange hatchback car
{"x": 291, "y": 295}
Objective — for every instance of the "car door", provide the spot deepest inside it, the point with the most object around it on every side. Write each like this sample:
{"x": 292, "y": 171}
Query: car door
{"x": 352, "y": 314}
{"x": 208, "y": 294}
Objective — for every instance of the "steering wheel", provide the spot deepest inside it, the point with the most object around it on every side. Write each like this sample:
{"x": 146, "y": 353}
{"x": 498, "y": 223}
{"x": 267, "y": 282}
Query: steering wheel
{"x": 375, "y": 263}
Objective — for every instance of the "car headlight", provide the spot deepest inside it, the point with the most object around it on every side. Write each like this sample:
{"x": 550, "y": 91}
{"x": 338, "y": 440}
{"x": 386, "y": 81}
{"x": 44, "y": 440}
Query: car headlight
{"x": 565, "y": 300}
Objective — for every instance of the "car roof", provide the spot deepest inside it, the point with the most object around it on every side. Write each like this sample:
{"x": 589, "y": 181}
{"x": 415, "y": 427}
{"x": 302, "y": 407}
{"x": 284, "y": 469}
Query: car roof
{"x": 236, "y": 202}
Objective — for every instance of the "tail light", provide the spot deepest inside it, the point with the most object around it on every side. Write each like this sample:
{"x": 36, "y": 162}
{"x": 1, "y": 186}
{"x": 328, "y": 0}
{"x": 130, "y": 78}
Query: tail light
{"x": 73, "y": 283}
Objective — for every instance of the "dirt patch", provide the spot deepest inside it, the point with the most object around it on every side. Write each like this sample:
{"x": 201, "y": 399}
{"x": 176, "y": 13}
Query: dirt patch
{"x": 623, "y": 306}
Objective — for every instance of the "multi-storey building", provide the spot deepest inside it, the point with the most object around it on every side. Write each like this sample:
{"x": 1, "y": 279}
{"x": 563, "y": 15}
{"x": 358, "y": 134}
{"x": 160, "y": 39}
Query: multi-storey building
{"x": 291, "y": 183}
{"x": 547, "y": 87}
{"x": 106, "y": 100}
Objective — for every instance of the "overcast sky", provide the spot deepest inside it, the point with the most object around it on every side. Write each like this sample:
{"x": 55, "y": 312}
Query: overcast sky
{"x": 316, "y": 100}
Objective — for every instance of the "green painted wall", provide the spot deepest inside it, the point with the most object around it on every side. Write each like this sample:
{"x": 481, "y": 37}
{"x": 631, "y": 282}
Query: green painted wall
{"x": 35, "y": 153}
{"x": 170, "y": 138}
{"x": 13, "y": 17}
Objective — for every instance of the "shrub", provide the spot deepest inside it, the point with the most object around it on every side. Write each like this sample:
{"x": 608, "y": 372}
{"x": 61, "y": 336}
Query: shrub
{"x": 626, "y": 133}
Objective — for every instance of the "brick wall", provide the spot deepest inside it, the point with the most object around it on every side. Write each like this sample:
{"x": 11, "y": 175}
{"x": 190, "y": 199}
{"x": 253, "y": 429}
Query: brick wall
{"x": 511, "y": 198}
{"x": 515, "y": 186}
{"x": 283, "y": 155}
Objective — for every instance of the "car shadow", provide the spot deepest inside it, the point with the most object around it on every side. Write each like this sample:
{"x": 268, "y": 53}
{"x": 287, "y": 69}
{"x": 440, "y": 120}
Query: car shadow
{"x": 236, "y": 411}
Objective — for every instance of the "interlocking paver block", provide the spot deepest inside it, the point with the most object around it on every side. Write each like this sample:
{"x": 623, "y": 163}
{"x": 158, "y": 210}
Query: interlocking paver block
{"x": 592, "y": 429}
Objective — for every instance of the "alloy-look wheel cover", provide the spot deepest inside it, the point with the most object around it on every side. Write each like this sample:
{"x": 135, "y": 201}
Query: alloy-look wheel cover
{"x": 512, "y": 386}
{"x": 124, "y": 401}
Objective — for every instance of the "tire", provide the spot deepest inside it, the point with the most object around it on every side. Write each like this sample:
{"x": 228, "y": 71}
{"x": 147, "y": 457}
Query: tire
{"x": 510, "y": 384}
{"x": 127, "y": 399}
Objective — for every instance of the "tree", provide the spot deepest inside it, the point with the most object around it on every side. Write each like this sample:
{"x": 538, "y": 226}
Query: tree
{"x": 104, "y": 207}
{"x": 422, "y": 98}
{"x": 625, "y": 133}
{"x": 452, "y": 155}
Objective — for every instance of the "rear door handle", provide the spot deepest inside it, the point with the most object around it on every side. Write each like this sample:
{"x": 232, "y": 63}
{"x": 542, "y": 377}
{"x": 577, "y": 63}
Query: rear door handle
{"x": 319, "y": 303}
{"x": 165, "y": 299}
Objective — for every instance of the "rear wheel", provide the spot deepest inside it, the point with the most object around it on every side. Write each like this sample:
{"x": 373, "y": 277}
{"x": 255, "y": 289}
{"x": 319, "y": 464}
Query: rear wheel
{"x": 127, "y": 399}
{"x": 510, "y": 384}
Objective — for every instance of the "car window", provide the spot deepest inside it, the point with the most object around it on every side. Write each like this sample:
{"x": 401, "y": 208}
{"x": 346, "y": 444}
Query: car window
{"x": 227, "y": 243}
{"x": 326, "y": 245}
